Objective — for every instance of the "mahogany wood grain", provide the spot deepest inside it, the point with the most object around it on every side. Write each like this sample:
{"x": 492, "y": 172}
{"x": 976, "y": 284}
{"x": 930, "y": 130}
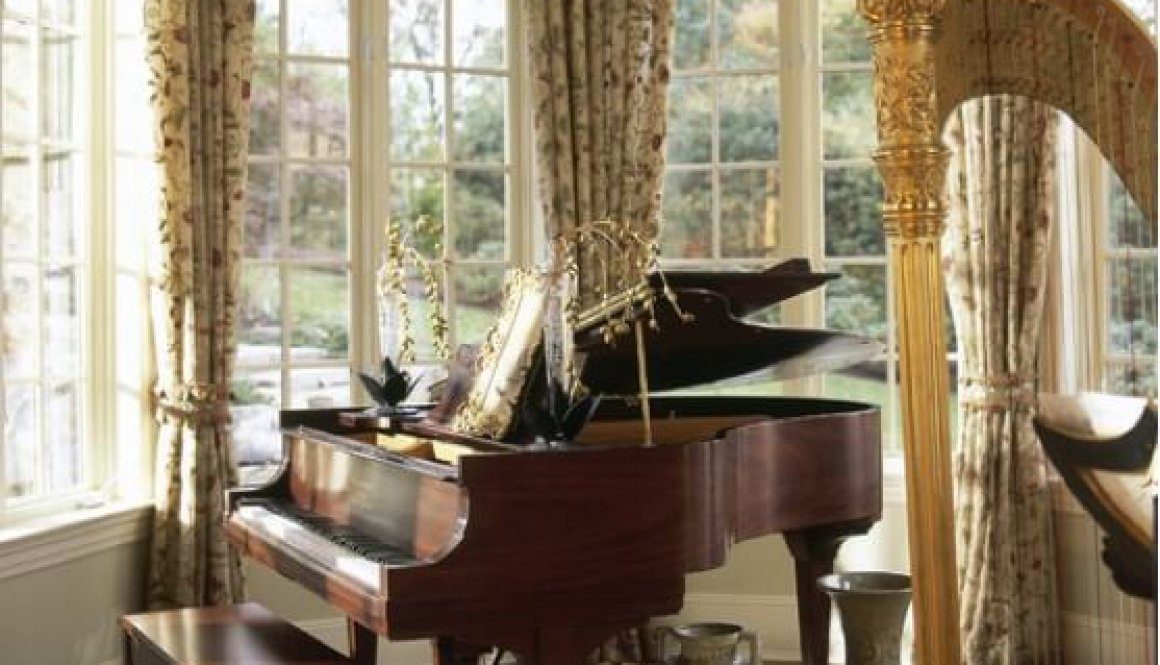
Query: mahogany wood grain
{"x": 545, "y": 552}
{"x": 246, "y": 634}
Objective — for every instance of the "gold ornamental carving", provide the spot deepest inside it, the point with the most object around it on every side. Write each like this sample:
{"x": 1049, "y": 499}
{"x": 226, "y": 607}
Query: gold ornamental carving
{"x": 878, "y": 12}
{"x": 912, "y": 161}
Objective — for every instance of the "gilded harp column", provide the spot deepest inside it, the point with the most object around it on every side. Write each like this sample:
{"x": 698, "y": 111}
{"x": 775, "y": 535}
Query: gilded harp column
{"x": 913, "y": 162}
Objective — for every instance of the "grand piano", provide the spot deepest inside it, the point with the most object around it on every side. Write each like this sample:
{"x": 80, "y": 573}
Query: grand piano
{"x": 416, "y": 531}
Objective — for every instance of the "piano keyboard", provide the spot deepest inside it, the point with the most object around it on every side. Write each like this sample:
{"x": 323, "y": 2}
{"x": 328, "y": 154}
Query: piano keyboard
{"x": 322, "y": 540}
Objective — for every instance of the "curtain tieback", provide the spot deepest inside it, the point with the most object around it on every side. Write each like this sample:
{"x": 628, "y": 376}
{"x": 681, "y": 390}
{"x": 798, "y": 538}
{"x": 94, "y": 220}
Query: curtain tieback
{"x": 199, "y": 403}
{"x": 998, "y": 392}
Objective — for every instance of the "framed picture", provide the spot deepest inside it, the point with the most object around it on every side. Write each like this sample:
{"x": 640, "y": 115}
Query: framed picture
{"x": 506, "y": 358}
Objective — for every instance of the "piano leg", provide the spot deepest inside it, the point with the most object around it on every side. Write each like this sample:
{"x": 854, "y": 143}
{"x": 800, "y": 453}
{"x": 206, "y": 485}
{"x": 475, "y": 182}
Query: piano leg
{"x": 813, "y": 553}
{"x": 364, "y": 644}
{"x": 450, "y": 651}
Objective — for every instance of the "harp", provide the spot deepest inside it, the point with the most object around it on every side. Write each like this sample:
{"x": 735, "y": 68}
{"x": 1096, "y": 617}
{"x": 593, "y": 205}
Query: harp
{"x": 1090, "y": 59}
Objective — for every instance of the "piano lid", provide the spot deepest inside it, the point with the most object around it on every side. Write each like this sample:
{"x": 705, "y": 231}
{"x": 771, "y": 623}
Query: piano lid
{"x": 718, "y": 344}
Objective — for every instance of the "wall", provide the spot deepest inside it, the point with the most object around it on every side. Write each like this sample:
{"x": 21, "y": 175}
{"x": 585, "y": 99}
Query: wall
{"x": 66, "y": 614}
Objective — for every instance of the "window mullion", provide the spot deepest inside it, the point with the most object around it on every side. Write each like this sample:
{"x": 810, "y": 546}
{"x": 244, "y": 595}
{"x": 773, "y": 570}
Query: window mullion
{"x": 36, "y": 162}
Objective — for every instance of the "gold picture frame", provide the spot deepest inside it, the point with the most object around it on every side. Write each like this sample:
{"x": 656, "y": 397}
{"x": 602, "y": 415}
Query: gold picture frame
{"x": 506, "y": 358}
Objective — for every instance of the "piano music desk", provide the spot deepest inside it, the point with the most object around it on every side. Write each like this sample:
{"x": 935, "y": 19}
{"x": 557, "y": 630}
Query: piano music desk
{"x": 246, "y": 634}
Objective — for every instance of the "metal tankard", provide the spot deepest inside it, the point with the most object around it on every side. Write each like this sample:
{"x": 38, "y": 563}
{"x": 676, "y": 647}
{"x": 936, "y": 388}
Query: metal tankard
{"x": 709, "y": 643}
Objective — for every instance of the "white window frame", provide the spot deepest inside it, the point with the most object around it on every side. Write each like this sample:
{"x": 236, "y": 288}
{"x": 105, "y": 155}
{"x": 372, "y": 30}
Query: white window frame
{"x": 99, "y": 481}
{"x": 368, "y": 159}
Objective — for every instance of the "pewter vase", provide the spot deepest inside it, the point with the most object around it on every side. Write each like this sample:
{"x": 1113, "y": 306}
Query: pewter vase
{"x": 710, "y": 643}
{"x": 872, "y": 607}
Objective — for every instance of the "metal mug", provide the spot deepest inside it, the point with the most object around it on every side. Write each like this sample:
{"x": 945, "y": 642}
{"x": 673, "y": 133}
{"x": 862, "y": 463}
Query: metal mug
{"x": 710, "y": 643}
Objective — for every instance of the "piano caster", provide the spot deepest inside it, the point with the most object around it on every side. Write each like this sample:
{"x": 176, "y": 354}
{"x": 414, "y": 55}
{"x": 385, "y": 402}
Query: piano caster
{"x": 813, "y": 553}
{"x": 364, "y": 644}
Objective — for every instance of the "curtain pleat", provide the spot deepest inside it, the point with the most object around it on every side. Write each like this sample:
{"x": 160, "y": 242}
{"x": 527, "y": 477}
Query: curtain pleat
{"x": 1002, "y": 206}
{"x": 600, "y": 74}
{"x": 200, "y": 58}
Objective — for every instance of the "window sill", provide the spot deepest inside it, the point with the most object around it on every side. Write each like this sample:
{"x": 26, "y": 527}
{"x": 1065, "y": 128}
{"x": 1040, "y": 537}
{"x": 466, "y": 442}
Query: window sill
{"x": 50, "y": 541}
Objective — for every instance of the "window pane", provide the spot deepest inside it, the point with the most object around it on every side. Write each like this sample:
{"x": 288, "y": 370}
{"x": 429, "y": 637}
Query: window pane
{"x": 319, "y": 308}
{"x": 415, "y": 194}
{"x": 316, "y": 27}
{"x": 316, "y": 109}
{"x": 479, "y": 219}
{"x": 19, "y": 321}
{"x": 844, "y": 32}
{"x": 417, "y": 116}
{"x": 747, "y": 33}
{"x": 137, "y": 190}
{"x": 133, "y": 116}
{"x": 848, "y": 124}
{"x": 131, "y": 307}
{"x": 1127, "y": 226}
{"x": 62, "y": 322}
{"x": 21, "y": 436}
{"x": 867, "y": 383}
{"x": 263, "y": 230}
{"x": 479, "y": 103}
{"x": 319, "y": 387}
{"x": 477, "y": 298}
{"x": 1132, "y": 305}
{"x": 17, "y": 104}
{"x": 690, "y": 133}
{"x": 18, "y": 212}
{"x": 691, "y": 41}
{"x": 856, "y": 301}
{"x": 255, "y": 397}
{"x": 59, "y": 11}
{"x": 60, "y": 97}
{"x": 417, "y": 31}
{"x": 750, "y": 211}
{"x": 62, "y": 440}
{"x": 21, "y": 7}
{"x": 479, "y": 32}
{"x": 1131, "y": 378}
{"x": 688, "y": 215}
{"x": 61, "y": 207}
{"x": 266, "y": 22}
{"x": 260, "y": 316}
{"x": 265, "y": 128}
{"x": 748, "y": 118}
{"x": 318, "y": 213}
{"x": 853, "y": 197}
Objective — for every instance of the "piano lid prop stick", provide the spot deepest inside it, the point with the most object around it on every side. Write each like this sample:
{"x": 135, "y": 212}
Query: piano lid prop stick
{"x": 642, "y": 381}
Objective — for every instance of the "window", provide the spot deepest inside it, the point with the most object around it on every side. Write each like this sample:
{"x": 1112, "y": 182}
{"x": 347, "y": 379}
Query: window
{"x": 56, "y": 179}
{"x": 1128, "y": 261}
{"x": 1129, "y": 267}
{"x": 425, "y": 118}
{"x": 772, "y": 118}
{"x": 46, "y": 371}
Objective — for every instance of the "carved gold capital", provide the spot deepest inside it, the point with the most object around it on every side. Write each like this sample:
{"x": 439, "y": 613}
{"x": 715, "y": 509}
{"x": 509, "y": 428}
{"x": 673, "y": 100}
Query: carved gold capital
{"x": 904, "y": 88}
{"x": 913, "y": 181}
{"x": 901, "y": 11}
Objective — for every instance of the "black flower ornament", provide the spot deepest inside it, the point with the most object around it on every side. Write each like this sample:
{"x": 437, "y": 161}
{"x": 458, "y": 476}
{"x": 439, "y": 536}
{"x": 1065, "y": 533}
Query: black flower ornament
{"x": 391, "y": 389}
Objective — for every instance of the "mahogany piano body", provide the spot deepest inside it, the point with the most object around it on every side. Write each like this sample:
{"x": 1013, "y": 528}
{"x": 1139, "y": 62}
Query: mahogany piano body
{"x": 548, "y": 550}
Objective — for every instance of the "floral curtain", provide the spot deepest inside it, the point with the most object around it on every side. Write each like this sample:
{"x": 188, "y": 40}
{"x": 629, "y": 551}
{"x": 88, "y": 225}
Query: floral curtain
{"x": 600, "y": 73}
{"x": 199, "y": 54}
{"x": 1002, "y": 207}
